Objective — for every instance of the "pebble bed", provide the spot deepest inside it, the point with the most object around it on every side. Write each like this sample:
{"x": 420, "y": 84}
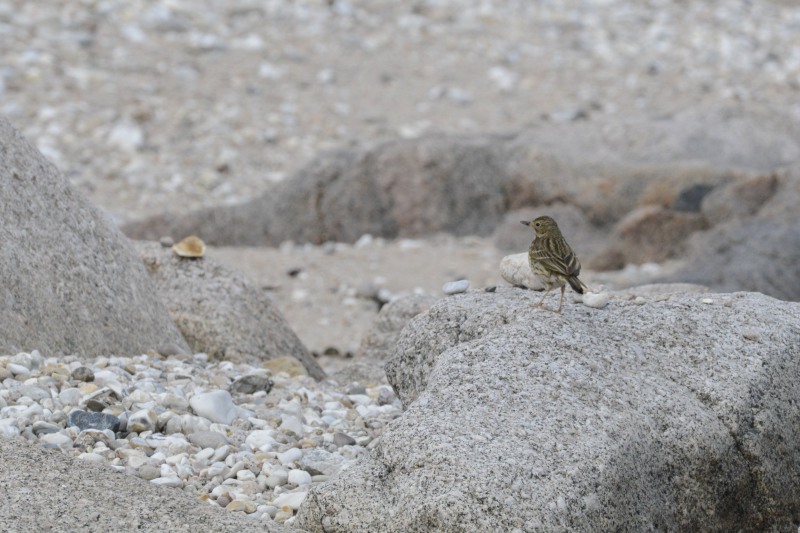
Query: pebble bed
{"x": 237, "y": 436}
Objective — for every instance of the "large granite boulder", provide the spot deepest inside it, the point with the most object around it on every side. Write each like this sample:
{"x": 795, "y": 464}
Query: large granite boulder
{"x": 666, "y": 412}
{"x": 71, "y": 282}
{"x": 220, "y": 312}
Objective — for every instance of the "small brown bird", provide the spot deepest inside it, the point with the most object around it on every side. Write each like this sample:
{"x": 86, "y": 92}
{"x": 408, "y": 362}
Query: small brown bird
{"x": 552, "y": 260}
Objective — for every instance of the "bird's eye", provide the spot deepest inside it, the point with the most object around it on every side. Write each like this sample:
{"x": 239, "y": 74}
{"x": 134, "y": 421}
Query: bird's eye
{"x": 538, "y": 224}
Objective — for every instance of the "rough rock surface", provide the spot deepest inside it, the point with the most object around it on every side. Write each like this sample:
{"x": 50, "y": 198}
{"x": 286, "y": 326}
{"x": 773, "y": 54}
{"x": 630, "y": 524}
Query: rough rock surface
{"x": 377, "y": 345}
{"x": 71, "y": 281}
{"x": 465, "y": 184}
{"x": 755, "y": 253}
{"x": 45, "y": 490}
{"x": 220, "y": 312}
{"x": 676, "y": 412}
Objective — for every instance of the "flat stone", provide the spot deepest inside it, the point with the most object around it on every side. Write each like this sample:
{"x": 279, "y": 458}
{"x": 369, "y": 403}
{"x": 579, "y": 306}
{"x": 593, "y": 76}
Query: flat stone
{"x": 292, "y": 500}
{"x": 455, "y": 287}
{"x": 216, "y": 406}
{"x": 208, "y": 439}
{"x": 343, "y": 439}
{"x": 85, "y": 420}
{"x": 251, "y": 384}
{"x": 56, "y": 440}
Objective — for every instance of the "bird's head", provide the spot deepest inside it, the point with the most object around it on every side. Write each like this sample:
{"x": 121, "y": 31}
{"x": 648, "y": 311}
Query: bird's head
{"x": 542, "y": 226}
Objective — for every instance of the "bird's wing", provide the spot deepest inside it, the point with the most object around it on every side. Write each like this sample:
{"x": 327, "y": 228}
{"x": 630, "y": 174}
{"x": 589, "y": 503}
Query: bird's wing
{"x": 555, "y": 258}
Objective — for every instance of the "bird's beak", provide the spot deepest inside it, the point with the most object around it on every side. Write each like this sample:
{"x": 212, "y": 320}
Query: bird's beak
{"x": 525, "y": 222}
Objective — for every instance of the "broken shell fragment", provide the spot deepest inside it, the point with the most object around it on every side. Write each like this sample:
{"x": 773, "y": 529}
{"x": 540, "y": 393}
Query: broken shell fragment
{"x": 191, "y": 246}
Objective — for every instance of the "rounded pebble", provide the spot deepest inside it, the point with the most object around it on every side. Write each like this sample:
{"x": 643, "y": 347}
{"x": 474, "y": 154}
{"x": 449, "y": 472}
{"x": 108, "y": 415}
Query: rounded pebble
{"x": 455, "y": 287}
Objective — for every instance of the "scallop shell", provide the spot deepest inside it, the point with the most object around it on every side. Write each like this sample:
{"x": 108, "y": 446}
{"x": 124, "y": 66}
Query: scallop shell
{"x": 191, "y": 246}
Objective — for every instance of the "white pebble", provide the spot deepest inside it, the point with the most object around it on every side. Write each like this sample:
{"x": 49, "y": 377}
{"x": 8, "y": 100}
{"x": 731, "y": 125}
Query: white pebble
{"x": 290, "y": 456}
{"x": 299, "y": 477}
{"x": 261, "y": 439}
{"x": 168, "y": 481}
{"x": 292, "y": 500}
{"x": 216, "y": 406}
{"x": 455, "y": 287}
{"x": 595, "y": 300}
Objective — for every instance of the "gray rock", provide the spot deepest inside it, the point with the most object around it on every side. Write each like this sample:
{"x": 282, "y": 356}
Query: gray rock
{"x": 662, "y": 415}
{"x": 455, "y": 287}
{"x": 220, "y": 312}
{"x": 756, "y": 254}
{"x": 366, "y": 367}
{"x": 77, "y": 498}
{"x": 392, "y": 318}
{"x": 208, "y": 439}
{"x": 465, "y": 184}
{"x": 83, "y": 373}
{"x": 516, "y": 270}
{"x": 251, "y": 384}
{"x": 319, "y": 461}
{"x": 85, "y": 420}
{"x": 71, "y": 281}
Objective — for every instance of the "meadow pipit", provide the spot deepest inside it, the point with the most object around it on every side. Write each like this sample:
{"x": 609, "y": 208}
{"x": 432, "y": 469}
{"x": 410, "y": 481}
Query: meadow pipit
{"x": 552, "y": 260}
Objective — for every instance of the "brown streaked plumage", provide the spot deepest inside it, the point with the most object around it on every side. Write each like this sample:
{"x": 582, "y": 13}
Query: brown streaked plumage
{"x": 552, "y": 260}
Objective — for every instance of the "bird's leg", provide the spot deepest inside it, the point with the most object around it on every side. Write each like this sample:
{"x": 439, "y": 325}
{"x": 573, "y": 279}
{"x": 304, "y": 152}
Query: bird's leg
{"x": 541, "y": 302}
{"x": 561, "y": 301}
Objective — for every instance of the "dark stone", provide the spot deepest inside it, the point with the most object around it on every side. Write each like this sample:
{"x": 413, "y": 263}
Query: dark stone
{"x": 100, "y": 421}
{"x": 343, "y": 439}
{"x": 83, "y": 373}
{"x": 691, "y": 198}
{"x": 251, "y": 384}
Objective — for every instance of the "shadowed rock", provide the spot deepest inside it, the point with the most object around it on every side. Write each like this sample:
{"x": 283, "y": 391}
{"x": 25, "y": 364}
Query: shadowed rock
{"x": 71, "y": 282}
{"x": 465, "y": 184}
{"x": 220, "y": 312}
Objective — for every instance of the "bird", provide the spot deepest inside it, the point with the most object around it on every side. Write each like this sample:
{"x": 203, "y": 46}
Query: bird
{"x": 552, "y": 260}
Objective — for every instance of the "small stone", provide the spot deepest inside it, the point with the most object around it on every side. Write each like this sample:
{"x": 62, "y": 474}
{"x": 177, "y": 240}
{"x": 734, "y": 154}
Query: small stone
{"x": 100, "y": 421}
{"x": 216, "y": 406}
{"x": 455, "y": 287}
{"x": 318, "y": 461}
{"x": 40, "y": 427}
{"x": 169, "y": 481}
{"x": 292, "y": 500}
{"x": 282, "y": 516}
{"x": 91, "y": 456}
{"x": 245, "y": 506}
{"x": 299, "y": 477}
{"x": 251, "y": 384}
{"x": 277, "y": 478}
{"x": 208, "y": 439}
{"x": 142, "y": 420}
{"x": 261, "y": 439}
{"x": 166, "y": 241}
{"x": 516, "y": 270}
{"x": 595, "y": 300}
{"x": 290, "y": 456}
{"x": 148, "y": 472}
{"x": 291, "y": 424}
{"x": 342, "y": 439}
{"x": 70, "y": 396}
{"x": 83, "y": 373}
{"x": 18, "y": 369}
{"x": 9, "y": 428}
{"x": 56, "y": 440}
{"x": 4, "y": 373}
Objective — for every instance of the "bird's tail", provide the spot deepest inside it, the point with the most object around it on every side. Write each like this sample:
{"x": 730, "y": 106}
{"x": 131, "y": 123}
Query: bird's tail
{"x": 576, "y": 284}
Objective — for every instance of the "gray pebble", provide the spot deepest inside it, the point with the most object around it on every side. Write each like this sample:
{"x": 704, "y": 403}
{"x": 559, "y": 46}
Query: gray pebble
{"x": 455, "y": 287}
{"x": 83, "y": 373}
{"x": 208, "y": 439}
{"x": 251, "y": 384}
{"x": 85, "y": 420}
